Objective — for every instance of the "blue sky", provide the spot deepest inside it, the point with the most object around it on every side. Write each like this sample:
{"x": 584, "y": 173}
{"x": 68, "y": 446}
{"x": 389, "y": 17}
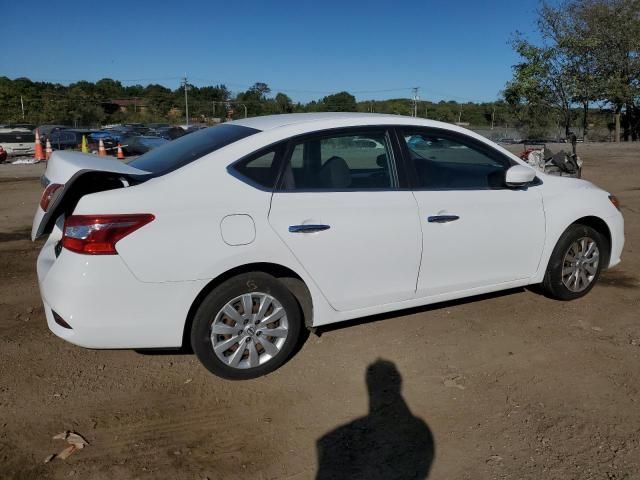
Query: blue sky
{"x": 452, "y": 49}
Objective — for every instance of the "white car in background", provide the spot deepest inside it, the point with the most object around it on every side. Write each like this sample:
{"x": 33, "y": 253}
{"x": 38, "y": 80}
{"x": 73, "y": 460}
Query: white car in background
{"x": 17, "y": 141}
{"x": 235, "y": 238}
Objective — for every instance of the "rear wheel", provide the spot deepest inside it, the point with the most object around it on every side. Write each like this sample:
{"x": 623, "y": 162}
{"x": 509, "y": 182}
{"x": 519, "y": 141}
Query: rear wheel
{"x": 246, "y": 327}
{"x": 576, "y": 263}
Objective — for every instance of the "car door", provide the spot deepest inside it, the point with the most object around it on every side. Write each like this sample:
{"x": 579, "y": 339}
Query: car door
{"x": 339, "y": 210}
{"x": 476, "y": 231}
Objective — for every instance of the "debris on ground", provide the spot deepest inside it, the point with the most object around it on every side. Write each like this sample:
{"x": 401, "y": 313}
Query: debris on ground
{"x": 453, "y": 381}
{"x": 25, "y": 161}
{"x": 561, "y": 163}
{"x": 76, "y": 442}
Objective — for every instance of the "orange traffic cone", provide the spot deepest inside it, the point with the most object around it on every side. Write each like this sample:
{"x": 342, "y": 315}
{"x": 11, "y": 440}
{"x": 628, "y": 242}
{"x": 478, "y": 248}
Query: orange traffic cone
{"x": 39, "y": 156}
{"x": 101, "y": 150}
{"x": 48, "y": 150}
{"x": 120, "y": 153}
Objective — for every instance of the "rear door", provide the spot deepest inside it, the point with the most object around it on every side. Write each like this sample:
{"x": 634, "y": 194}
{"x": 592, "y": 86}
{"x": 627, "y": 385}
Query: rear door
{"x": 476, "y": 231}
{"x": 339, "y": 210}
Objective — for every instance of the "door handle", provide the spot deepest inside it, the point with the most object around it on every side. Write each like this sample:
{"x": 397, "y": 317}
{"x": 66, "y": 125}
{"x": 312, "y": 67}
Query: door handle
{"x": 308, "y": 228}
{"x": 442, "y": 218}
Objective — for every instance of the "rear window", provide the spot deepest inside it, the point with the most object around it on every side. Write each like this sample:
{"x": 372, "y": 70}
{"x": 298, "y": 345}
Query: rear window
{"x": 17, "y": 137}
{"x": 186, "y": 149}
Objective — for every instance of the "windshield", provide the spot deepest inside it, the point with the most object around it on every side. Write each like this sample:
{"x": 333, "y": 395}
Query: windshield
{"x": 186, "y": 149}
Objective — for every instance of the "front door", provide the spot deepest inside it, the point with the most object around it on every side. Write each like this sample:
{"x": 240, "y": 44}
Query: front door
{"x": 476, "y": 231}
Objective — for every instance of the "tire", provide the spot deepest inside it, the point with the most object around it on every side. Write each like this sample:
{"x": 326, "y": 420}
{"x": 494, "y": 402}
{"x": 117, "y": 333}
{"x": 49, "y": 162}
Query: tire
{"x": 581, "y": 272}
{"x": 261, "y": 353}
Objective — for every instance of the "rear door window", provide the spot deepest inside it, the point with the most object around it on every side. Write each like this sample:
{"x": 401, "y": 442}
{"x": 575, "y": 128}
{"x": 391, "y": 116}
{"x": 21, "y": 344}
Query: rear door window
{"x": 341, "y": 162}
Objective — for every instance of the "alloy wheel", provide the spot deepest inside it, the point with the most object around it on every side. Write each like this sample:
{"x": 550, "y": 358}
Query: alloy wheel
{"x": 249, "y": 330}
{"x": 580, "y": 264}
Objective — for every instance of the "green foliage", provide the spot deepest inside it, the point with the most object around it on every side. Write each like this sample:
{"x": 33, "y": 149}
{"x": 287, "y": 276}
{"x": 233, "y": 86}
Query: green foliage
{"x": 590, "y": 54}
{"x": 338, "y": 102}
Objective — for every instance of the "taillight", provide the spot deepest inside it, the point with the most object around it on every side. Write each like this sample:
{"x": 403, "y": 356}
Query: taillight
{"x": 98, "y": 234}
{"x": 47, "y": 195}
{"x": 613, "y": 199}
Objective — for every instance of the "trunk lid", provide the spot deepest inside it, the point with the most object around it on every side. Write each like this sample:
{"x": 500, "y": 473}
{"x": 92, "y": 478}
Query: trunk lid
{"x": 80, "y": 174}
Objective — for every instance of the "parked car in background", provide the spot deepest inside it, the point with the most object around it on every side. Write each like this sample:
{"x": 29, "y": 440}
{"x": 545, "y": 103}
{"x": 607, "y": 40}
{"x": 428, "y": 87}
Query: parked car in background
{"x": 71, "y": 138}
{"x": 137, "y": 128}
{"x": 67, "y": 139}
{"x": 137, "y": 145}
{"x": 170, "y": 133}
{"x": 118, "y": 134}
{"x": 26, "y": 126}
{"x": 156, "y": 126}
{"x": 45, "y": 131}
{"x": 106, "y": 137}
{"x": 17, "y": 141}
{"x": 239, "y": 236}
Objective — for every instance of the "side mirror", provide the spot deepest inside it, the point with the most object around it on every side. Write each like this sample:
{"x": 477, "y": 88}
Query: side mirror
{"x": 519, "y": 176}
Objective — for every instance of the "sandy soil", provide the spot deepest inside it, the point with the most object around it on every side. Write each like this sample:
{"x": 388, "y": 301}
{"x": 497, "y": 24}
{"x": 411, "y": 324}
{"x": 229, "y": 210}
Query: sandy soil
{"x": 504, "y": 386}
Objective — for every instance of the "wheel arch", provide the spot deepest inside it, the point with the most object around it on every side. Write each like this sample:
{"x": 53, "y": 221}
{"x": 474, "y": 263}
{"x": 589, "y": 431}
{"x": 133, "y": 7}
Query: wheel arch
{"x": 288, "y": 277}
{"x": 600, "y": 226}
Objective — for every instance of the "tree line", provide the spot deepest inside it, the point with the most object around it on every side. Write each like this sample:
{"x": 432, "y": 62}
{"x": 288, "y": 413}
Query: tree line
{"x": 91, "y": 104}
{"x": 588, "y": 56}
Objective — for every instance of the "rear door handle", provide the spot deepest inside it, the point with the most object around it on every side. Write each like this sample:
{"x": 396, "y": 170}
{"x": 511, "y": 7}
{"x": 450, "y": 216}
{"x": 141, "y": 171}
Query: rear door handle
{"x": 442, "y": 218}
{"x": 308, "y": 228}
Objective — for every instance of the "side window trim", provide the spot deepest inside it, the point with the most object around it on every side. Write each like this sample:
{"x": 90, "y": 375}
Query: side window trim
{"x": 344, "y": 131}
{"x": 412, "y": 174}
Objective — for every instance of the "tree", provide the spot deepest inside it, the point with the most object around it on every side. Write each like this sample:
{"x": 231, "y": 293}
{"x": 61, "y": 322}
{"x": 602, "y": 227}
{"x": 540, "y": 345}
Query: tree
{"x": 590, "y": 53}
{"x": 539, "y": 83}
{"x": 339, "y": 102}
{"x": 613, "y": 29}
{"x": 284, "y": 103}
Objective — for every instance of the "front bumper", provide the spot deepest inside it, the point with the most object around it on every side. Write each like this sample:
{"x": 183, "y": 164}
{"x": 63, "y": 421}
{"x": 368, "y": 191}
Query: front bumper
{"x": 616, "y": 227}
{"x": 106, "y": 306}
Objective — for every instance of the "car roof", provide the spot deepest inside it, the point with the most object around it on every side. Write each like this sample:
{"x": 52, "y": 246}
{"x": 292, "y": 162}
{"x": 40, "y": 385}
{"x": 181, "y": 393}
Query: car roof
{"x": 270, "y": 122}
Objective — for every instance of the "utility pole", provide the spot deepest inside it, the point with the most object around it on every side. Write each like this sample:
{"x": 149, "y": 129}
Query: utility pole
{"x": 22, "y": 105}
{"x": 415, "y": 101}
{"x": 493, "y": 115}
{"x": 186, "y": 98}
{"x": 460, "y": 115}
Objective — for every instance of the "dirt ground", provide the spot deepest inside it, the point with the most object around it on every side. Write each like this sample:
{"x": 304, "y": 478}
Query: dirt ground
{"x": 503, "y": 386}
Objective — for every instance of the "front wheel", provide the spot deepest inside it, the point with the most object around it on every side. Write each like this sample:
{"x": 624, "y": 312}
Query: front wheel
{"x": 576, "y": 263}
{"x": 246, "y": 327}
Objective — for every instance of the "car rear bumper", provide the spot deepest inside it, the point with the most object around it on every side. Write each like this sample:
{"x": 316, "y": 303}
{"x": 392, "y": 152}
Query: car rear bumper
{"x": 19, "y": 151}
{"x": 105, "y": 305}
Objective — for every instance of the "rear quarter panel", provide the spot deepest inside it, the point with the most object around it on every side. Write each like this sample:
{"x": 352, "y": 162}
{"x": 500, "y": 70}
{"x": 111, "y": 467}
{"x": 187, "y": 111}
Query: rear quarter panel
{"x": 184, "y": 242}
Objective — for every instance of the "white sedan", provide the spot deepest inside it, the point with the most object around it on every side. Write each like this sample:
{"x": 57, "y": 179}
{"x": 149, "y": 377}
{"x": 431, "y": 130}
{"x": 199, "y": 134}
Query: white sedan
{"x": 234, "y": 239}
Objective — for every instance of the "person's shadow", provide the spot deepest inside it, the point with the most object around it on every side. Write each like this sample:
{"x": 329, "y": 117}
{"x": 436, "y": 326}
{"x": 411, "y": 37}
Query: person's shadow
{"x": 389, "y": 443}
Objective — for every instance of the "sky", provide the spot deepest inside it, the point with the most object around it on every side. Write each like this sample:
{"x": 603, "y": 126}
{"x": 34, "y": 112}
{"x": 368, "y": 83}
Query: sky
{"x": 452, "y": 50}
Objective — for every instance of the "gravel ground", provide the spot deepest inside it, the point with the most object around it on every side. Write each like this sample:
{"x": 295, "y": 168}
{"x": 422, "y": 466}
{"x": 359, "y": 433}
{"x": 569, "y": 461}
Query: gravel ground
{"x": 511, "y": 385}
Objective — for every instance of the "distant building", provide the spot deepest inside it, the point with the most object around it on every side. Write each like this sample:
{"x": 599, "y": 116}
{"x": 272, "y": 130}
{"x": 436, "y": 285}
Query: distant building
{"x": 129, "y": 104}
